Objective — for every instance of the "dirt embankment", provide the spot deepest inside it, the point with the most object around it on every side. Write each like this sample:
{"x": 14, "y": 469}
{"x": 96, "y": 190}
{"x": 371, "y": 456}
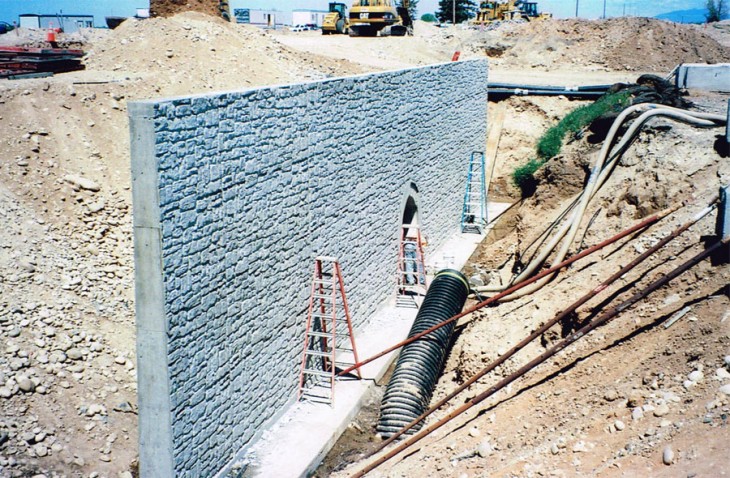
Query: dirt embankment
{"x": 617, "y": 44}
{"x": 168, "y": 8}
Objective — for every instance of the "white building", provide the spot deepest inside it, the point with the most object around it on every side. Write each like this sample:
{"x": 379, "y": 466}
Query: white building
{"x": 308, "y": 17}
{"x": 69, "y": 23}
{"x": 262, "y": 18}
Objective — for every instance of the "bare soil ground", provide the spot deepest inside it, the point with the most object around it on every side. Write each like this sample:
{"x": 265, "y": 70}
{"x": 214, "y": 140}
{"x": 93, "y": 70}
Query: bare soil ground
{"x": 67, "y": 363}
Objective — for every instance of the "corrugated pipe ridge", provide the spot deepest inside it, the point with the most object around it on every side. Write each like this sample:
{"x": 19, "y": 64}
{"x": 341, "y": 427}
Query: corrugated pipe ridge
{"x": 419, "y": 365}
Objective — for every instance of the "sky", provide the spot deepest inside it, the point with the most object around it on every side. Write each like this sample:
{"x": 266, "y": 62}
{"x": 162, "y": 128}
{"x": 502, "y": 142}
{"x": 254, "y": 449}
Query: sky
{"x": 10, "y": 9}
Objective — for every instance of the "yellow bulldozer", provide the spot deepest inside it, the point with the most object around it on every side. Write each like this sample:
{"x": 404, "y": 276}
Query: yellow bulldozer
{"x": 369, "y": 18}
{"x": 511, "y": 10}
{"x": 336, "y": 21}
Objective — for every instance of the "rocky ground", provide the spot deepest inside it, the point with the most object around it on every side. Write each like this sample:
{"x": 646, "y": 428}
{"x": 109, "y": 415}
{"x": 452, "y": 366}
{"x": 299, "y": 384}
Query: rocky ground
{"x": 67, "y": 363}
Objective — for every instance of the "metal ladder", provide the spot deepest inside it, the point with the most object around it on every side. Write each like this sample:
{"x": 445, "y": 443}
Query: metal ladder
{"x": 411, "y": 267}
{"x": 323, "y": 354}
{"x": 474, "y": 212}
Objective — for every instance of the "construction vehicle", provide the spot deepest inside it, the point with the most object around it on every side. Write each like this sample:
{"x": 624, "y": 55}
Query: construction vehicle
{"x": 225, "y": 10}
{"x": 511, "y": 10}
{"x": 370, "y": 17}
{"x": 336, "y": 21}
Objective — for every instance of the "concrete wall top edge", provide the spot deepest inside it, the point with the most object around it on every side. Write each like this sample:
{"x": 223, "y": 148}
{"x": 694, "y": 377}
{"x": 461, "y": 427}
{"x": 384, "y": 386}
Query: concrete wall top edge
{"x": 172, "y": 99}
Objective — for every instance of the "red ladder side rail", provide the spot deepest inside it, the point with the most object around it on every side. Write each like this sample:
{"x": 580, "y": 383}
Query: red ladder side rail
{"x": 347, "y": 316}
{"x": 333, "y": 345}
{"x": 421, "y": 260}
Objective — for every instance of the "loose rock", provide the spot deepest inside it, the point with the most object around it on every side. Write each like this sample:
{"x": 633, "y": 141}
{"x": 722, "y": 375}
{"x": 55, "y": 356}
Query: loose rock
{"x": 82, "y": 183}
{"x": 668, "y": 455}
{"x": 661, "y": 410}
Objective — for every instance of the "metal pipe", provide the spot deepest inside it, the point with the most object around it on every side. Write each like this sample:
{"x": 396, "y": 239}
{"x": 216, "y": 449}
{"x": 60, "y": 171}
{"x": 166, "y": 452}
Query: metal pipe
{"x": 503, "y": 358}
{"x": 646, "y": 222}
{"x": 575, "y": 336}
{"x": 512, "y": 86}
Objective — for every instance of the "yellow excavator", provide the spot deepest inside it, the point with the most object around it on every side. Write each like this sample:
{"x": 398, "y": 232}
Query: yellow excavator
{"x": 370, "y": 17}
{"x": 336, "y": 21}
{"x": 511, "y": 10}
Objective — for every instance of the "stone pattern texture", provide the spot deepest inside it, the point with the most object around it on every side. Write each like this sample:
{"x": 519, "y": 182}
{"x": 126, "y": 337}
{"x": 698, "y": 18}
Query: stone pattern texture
{"x": 254, "y": 184}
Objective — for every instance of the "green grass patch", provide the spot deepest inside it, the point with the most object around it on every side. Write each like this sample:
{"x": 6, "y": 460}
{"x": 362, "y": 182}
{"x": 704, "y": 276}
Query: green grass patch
{"x": 550, "y": 144}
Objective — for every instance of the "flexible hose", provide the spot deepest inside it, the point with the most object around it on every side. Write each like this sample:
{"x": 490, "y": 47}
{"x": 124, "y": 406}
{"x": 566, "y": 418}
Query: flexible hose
{"x": 419, "y": 365}
{"x": 601, "y": 170}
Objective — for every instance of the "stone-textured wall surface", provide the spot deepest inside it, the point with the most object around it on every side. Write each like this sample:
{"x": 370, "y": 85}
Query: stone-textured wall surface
{"x": 235, "y": 193}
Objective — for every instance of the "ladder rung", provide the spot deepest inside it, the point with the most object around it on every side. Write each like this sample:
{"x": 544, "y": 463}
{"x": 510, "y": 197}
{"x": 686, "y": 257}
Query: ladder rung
{"x": 317, "y": 353}
{"x": 321, "y": 296}
{"x": 324, "y": 335}
{"x": 318, "y": 373}
{"x": 326, "y": 258}
{"x": 319, "y": 315}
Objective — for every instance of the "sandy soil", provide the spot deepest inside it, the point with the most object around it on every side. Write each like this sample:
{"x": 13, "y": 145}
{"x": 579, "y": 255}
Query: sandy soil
{"x": 67, "y": 367}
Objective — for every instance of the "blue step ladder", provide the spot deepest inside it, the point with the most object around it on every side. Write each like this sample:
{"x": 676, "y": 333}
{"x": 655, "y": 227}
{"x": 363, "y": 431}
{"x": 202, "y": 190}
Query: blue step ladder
{"x": 474, "y": 214}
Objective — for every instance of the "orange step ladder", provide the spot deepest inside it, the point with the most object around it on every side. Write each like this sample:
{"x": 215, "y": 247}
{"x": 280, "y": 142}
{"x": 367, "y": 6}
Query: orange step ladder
{"x": 411, "y": 267}
{"x": 329, "y": 343}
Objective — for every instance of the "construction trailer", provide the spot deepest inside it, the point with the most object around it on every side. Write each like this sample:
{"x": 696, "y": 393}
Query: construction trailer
{"x": 308, "y": 17}
{"x": 262, "y": 18}
{"x": 68, "y": 23}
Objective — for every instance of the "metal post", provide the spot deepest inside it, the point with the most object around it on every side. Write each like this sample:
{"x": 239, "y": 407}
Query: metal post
{"x": 453, "y": 12}
{"x": 727, "y": 125}
{"x": 604, "y": 9}
{"x": 576, "y": 8}
{"x": 723, "y": 214}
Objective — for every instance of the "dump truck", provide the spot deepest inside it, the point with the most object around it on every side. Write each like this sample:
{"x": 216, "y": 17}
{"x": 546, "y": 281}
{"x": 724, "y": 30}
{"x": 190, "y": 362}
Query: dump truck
{"x": 372, "y": 17}
{"x": 336, "y": 21}
{"x": 511, "y": 10}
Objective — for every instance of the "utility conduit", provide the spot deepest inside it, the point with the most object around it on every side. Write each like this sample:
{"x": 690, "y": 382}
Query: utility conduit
{"x": 575, "y": 336}
{"x": 410, "y": 388}
{"x": 600, "y": 172}
{"x": 541, "y": 330}
{"x": 637, "y": 227}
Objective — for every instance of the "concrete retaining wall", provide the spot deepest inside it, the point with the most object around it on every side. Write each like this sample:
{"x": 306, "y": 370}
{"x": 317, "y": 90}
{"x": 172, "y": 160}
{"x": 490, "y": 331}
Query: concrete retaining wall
{"x": 698, "y": 76}
{"x": 234, "y": 193}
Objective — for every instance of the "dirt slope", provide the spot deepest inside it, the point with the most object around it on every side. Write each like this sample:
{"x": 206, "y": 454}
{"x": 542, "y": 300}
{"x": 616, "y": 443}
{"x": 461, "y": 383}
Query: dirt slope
{"x": 616, "y": 44}
{"x": 168, "y": 8}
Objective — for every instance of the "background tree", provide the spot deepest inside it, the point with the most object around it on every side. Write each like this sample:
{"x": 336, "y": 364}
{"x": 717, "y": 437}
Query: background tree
{"x": 412, "y": 8}
{"x": 716, "y": 10}
{"x": 465, "y": 9}
{"x": 428, "y": 17}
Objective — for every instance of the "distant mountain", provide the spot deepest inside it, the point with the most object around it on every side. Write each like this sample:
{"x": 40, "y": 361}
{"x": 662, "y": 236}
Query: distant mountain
{"x": 695, "y": 15}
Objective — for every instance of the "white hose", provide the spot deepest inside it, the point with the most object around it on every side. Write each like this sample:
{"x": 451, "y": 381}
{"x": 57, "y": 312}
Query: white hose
{"x": 601, "y": 170}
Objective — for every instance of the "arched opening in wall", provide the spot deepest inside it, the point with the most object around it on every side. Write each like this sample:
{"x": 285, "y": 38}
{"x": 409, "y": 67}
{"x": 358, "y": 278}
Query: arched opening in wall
{"x": 411, "y": 268}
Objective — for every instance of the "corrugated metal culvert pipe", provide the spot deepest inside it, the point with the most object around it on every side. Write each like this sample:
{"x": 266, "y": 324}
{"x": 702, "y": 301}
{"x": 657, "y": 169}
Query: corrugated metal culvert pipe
{"x": 419, "y": 365}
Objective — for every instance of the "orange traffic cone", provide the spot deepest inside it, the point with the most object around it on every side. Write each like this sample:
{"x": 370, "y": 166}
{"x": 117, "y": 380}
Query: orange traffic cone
{"x": 51, "y": 35}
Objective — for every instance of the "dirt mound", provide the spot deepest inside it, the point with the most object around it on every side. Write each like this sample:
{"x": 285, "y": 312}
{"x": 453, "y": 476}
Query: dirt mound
{"x": 633, "y": 44}
{"x": 198, "y": 52}
{"x": 168, "y": 8}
